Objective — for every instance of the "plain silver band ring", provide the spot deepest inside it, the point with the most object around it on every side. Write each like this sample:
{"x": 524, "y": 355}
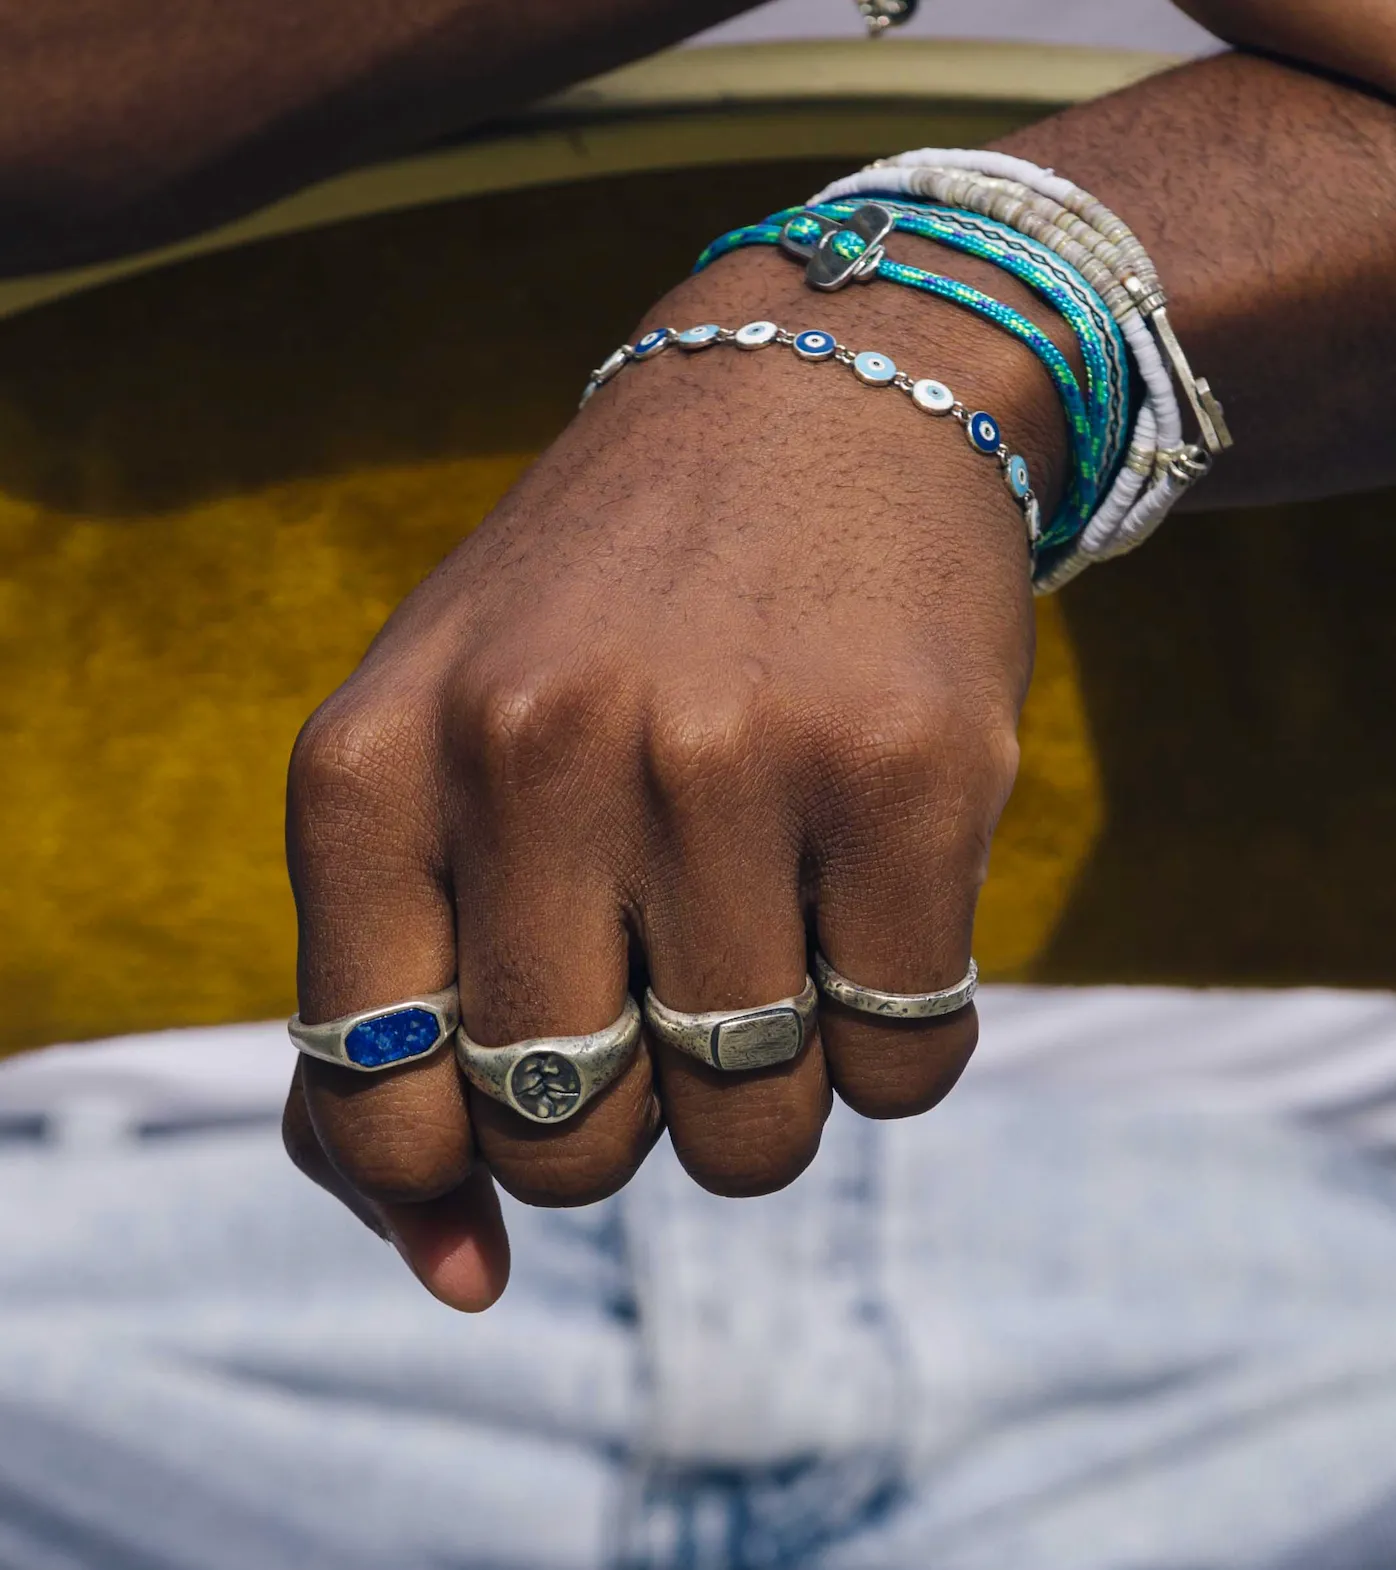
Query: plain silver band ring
{"x": 551, "y": 1079}
{"x": 375, "y": 1040}
{"x": 737, "y": 1040}
{"x": 895, "y": 1005}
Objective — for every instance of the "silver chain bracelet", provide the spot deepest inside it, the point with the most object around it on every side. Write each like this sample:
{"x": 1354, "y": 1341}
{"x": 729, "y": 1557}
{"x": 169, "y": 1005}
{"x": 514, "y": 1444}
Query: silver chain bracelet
{"x": 879, "y": 15}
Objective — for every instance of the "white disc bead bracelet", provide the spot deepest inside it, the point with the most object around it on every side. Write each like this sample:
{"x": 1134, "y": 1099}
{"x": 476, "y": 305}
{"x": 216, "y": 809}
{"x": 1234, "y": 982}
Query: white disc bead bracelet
{"x": 1160, "y": 466}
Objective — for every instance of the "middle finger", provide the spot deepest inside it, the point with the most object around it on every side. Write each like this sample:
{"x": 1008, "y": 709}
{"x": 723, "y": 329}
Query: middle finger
{"x": 724, "y": 931}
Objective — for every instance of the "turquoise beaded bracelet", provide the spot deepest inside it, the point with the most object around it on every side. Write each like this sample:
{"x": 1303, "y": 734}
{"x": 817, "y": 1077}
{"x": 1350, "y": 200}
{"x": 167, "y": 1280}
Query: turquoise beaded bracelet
{"x": 872, "y": 368}
{"x": 860, "y": 255}
{"x": 1052, "y": 279}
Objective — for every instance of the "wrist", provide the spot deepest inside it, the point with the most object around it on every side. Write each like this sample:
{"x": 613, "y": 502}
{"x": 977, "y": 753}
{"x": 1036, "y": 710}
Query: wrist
{"x": 927, "y": 337}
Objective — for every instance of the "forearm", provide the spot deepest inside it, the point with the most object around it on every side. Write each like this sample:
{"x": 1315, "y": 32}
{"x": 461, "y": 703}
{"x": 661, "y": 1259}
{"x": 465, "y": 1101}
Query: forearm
{"x": 1356, "y": 38}
{"x": 128, "y": 122}
{"x": 1265, "y": 194}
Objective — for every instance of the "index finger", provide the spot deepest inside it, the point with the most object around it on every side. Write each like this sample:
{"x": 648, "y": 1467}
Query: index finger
{"x": 377, "y": 928}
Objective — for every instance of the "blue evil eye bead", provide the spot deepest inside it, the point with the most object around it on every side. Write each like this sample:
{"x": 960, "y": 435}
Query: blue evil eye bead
{"x": 983, "y": 432}
{"x": 653, "y": 343}
{"x": 815, "y": 345}
{"x": 699, "y": 337}
{"x": 874, "y": 369}
{"x": 393, "y": 1038}
{"x": 1015, "y": 474}
{"x": 933, "y": 397}
{"x": 756, "y": 335}
{"x": 611, "y": 365}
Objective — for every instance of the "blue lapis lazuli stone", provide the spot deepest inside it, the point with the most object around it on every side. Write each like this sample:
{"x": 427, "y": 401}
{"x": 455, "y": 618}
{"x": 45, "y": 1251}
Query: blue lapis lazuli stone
{"x": 392, "y": 1038}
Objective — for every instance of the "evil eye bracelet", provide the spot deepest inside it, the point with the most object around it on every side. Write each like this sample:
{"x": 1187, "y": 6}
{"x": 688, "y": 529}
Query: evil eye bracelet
{"x": 856, "y": 252}
{"x": 1061, "y": 286}
{"x": 872, "y": 368}
{"x": 1161, "y": 465}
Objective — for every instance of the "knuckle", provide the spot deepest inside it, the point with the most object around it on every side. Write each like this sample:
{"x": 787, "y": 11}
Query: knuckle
{"x": 999, "y": 765}
{"x": 518, "y": 723}
{"x": 896, "y": 740}
{"x": 587, "y": 1161}
{"x": 691, "y": 744}
{"x": 298, "y": 1137}
{"x": 891, "y": 1070}
{"x": 390, "y": 1151}
{"x": 747, "y": 1167}
{"x": 922, "y": 745}
{"x": 346, "y": 755}
{"x": 399, "y": 1168}
{"x": 754, "y": 1141}
{"x": 562, "y": 1178}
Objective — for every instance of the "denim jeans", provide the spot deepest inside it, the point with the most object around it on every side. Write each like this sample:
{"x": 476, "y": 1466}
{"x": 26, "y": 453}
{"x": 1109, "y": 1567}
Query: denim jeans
{"x": 1126, "y": 1302}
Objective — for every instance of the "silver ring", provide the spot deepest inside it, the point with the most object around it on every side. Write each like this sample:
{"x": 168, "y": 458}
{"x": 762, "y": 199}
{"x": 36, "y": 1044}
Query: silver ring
{"x": 740, "y": 1039}
{"x": 895, "y": 1005}
{"x": 551, "y": 1079}
{"x": 382, "y": 1038}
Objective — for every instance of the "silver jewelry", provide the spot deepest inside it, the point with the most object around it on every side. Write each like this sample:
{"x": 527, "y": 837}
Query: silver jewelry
{"x": 879, "y": 15}
{"x": 895, "y": 1005}
{"x": 551, "y": 1079}
{"x": 382, "y": 1038}
{"x": 740, "y": 1039}
{"x": 815, "y": 345}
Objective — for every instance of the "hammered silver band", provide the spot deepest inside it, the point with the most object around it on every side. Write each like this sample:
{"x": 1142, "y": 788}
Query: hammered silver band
{"x": 551, "y": 1079}
{"x": 737, "y": 1040}
{"x": 375, "y": 1040}
{"x": 895, "y": 1005}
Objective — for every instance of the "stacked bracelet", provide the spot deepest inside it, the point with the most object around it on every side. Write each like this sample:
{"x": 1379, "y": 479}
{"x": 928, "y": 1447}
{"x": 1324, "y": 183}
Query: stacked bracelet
{"x": 843, "y": 242}
{"x": 1160, "y": 466}
{"x": 872, "y": 368}
{"x": 1102, "y": 347}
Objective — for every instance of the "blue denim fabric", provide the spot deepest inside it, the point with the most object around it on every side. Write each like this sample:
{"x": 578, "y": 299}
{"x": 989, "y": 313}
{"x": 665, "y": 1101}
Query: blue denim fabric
{"x": 1124, "y": 1303}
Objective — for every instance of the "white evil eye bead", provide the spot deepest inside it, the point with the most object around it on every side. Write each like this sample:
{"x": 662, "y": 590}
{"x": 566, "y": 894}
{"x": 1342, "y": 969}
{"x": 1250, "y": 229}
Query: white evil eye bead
{"x": 1015, "y": 474}
{"x": 814, "y": 345}
{"x": 653, "y": 343}
{"x": 983, "y": 432}
{"x": 610, "y": 366}
{"x": 874, "y": 369}
{"x": 756, "y": 335}
{"x": 699, "y": 337}
{"x": 1033, "y": 509}
{"x": 933, "y": 397}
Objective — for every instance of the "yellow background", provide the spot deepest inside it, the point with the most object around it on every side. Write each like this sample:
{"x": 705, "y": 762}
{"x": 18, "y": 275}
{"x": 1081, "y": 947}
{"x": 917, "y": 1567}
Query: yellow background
{"x": 217, "y": 480}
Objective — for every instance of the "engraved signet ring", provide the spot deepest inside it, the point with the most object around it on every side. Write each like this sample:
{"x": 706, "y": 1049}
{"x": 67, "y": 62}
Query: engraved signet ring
{"x": 551, "y": 1079}
{"x": 896, "y": 1005}
{"x": 382, "y": 1038}
{"x": 737, "y": 1039}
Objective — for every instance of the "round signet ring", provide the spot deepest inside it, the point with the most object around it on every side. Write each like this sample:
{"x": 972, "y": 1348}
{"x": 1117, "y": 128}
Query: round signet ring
{"x": 382, "y": 1038}
{"x": 896, "y": 1005}
{"x": 551, "y": 1079}
{"x": 736, "y": 1040}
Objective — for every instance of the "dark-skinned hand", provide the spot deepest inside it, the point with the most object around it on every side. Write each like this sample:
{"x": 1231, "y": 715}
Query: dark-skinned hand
{"x": 736, "y": 668}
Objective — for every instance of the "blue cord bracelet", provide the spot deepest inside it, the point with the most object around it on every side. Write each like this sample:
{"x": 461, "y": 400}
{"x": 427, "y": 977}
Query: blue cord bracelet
{"x": 1092, "y": 427}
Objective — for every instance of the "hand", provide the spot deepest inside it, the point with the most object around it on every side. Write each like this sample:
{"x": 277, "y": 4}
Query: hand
{"x": 738, "y": 663}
